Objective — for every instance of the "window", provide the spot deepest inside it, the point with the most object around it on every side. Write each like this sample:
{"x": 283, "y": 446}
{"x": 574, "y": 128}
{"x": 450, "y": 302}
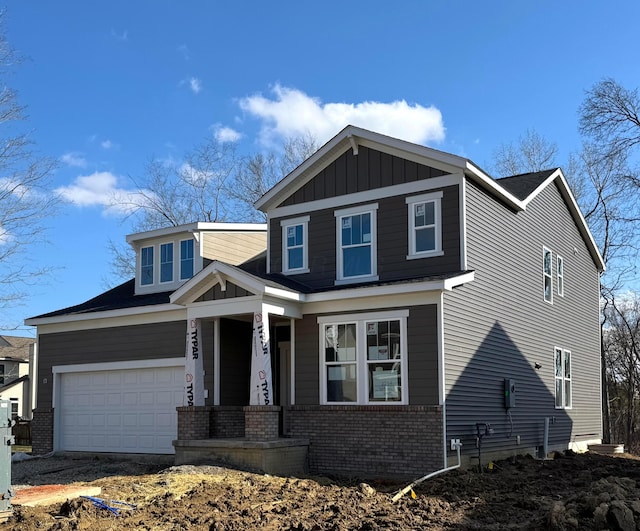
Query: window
{"x": 363, "y": 359}
{"x": 166, "y": 262}
{"x": 425, "y": 232}
{"x": 1, "y": 374}
{"x": 146, "y": 266}
{"x": 560, "y": 275}
{"x": 563, "y": 378}
{"x": 186, "y": 259}
{"x": 546, "y": 273}
{"x": 356, "y": 237}
{"x": 294, "y": 245}
{"x": 14, "y": 408}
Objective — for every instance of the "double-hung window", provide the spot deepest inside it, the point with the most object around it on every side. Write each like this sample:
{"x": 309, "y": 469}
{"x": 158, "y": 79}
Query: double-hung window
{"x": 186, "y": 259}
{"x": 560, "y": 275}
{"x": 425, "y": 225}
{"x": 356, "y": 244}
{"x": 547, "y": 275}
{"x": 146, "y": 266}
{"x": 563, "y": 378}
{"x": 363, "y": 358}
{"x": 295, "y": 249}
{"x": 166, "y": 262}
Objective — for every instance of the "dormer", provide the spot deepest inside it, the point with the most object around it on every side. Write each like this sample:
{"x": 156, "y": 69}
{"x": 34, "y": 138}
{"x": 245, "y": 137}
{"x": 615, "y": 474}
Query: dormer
{"x": 167, "y": 258}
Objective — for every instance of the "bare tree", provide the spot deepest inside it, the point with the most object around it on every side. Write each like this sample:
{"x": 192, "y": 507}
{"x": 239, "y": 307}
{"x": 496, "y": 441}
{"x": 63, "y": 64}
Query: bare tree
{"x": 532, "y": 152}
{"x": 26, "y": 198}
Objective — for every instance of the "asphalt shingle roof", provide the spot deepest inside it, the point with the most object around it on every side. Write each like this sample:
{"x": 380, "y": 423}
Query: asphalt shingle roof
{"x": 524, "y": 184}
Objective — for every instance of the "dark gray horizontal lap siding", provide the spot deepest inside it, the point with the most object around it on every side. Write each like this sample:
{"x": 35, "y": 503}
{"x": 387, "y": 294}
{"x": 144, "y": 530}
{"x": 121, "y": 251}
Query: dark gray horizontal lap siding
{"x": 422, "y": 344}
{"x": 499, "y": 326}
{"x": 392, "y": 241}
{"x": 125, "y": 343}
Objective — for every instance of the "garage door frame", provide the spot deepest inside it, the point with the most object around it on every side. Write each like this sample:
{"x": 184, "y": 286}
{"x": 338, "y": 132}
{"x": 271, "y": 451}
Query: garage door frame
{"x": 59, "y": 370}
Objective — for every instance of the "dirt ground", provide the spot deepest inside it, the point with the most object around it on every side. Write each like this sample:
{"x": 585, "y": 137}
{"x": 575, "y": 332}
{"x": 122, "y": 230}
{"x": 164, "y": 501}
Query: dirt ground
{"x": 586, "y": 491}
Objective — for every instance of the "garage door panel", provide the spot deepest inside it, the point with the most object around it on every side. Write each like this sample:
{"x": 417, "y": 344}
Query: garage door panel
{"x": 129, "y": 410}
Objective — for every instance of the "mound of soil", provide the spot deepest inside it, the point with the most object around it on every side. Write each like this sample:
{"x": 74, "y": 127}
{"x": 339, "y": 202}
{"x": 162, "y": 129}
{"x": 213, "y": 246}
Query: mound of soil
{"x": 586, "y": 491}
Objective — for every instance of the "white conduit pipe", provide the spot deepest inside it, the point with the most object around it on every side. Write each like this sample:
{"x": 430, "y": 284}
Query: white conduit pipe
{"x": 457, "y": 444}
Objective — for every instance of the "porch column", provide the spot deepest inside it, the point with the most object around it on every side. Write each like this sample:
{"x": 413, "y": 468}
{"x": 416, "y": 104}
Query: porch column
{"x": 261, "y": 423}
{"x": 194, "y": 422}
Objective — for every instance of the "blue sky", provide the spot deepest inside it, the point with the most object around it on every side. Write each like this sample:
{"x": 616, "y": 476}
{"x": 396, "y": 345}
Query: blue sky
{"x": 109, "y": 85}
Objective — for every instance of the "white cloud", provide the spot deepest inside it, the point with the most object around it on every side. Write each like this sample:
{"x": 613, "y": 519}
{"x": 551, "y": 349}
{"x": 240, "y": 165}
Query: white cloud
{"x": 226, "y": 134}
{"x": 107, "y": 144}
{"x": 122, "y": 36}
{"x": 195, "y": 85}
{"x": 292, "y": 113}
{"x": 100, "y": 189}
{"x": 74, "y": 159}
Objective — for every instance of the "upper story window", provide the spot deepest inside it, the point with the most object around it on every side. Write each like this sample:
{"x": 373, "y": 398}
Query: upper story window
{"x": 166, "y": 262}
{"x": 425, "y": 225}
{"x": 363, "y": 358}
{"x": 356, "y": 244}
{"x": 146, "y": 266}
{"x": 186, "y": 259}
{"x": 560, "y": 275}
{"x": 295, "y": 248}
{"x": 547, "y": 274}
{"x": 563, "y": 378}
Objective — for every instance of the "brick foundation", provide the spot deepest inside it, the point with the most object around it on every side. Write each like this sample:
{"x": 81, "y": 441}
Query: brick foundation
{"x": 42, "y": 431}
{"x": 370, "y": 441}
{"x": 261, "y": 423}
{"x": 194, "y": 422}
{"x": 227, "y": 422}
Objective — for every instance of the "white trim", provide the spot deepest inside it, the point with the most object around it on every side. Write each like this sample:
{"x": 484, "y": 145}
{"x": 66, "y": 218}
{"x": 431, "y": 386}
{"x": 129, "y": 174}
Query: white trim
{"x": 559, "y": 276}
{"x": 285, "y": 224}
{"x": 563, "y": 379}
{"x": 361, "y": 359}
{"x": 196, "y": 227}
{"x": 370, "y": 209}
{"x": 441, "y": 356}
{"x": 462, "y": 191}
{"x": 119, "y": 365}
{"x": 374, "y": 194}
{"x": 411, "y": 202}
{"x": 372, "y": 303}
{"x": 160, "y": 262}
{"x": 546, "y": 249}
{"x": 216, "y": 361}
{"x": 292, "y": 366}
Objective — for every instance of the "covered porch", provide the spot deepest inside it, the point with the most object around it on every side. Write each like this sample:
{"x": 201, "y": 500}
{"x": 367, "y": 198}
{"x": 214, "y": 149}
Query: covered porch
{"x": 232, "y": 421}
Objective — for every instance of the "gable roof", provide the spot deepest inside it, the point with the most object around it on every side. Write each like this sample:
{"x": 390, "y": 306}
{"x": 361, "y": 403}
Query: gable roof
{"x": 516, "y": 192}
{"x": 15, "y": 347}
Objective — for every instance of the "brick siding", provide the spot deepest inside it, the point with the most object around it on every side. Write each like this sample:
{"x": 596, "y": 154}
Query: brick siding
{"x": 227, "y": 422}
{"x": 371, "y": 441}
{"x": 42, "y": 431}
{"x": 261, "y": 423}
{"x": 194, "y": 422}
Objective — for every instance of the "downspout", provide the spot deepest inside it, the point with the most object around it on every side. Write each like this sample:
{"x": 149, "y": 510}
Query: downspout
{"x": 455, "y": 445}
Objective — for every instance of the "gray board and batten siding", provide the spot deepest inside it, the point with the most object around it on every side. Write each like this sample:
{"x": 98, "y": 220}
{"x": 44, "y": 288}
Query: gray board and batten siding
{"x": 499, "y": 326}
{"x": 391, "y": 220}
{"x": 422, "y": 346}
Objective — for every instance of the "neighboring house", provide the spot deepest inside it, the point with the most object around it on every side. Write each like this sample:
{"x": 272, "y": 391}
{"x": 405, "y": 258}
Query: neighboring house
{"x": 412, "y": 299}
{"x": 17, "y": 374}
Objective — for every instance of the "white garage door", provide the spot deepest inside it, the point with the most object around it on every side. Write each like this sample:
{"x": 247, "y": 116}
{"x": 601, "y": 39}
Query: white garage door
{"x": 132, "y": 410}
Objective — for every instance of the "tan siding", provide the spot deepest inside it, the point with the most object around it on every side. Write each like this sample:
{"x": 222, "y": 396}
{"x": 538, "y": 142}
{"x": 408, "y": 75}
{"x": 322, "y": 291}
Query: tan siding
{"x": 232, "y": 247}
{"x": 499, "y": 326}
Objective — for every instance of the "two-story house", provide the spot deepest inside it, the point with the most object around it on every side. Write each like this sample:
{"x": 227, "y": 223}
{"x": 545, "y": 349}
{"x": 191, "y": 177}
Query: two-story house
{"x": 411, "y": 300}
{"x": 17, "y": 382}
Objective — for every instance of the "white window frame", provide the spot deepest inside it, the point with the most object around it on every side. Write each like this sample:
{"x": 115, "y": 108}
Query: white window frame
{"x": 362, "y": 361}
{"x": 412, "y": 203}
{"x": 355, "y": 211}
{"x": 560, "y": 275}
{"x": 193, "y": 258}
{"x": 153, "y": 265}
{"x": 286, "y": 224}
{"x": 547, "y": 276}
{"x": 563, "y": 378}
{"x": 161, "y": 263}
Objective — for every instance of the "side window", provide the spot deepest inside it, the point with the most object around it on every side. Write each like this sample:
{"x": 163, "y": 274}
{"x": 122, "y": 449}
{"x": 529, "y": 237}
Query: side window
{"x": 166, "y": 262}
{"x": 560, "y": 275}
{"x": 146, "y": 266}
{"x": 295, "y": 247}
{"x": 1, "y": 373}
{"x": 14, "y": 408}
{"x": 186, "y": 259}
{"x": 363, "y": 358}
{"x": 356, "y": 244}
{"x": 546, "y": 274}
{"x": 425, "y": 225}
{"x": 563, "y": 378}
